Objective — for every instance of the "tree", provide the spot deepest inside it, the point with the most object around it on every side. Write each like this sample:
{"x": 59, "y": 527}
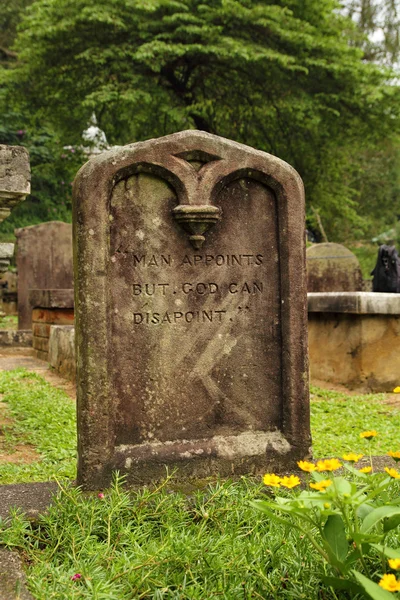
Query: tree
{"x": 285, "y": 76}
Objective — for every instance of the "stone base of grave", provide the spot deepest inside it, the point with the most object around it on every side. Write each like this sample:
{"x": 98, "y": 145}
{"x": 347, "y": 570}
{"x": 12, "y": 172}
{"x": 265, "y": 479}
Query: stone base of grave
{"x": 50, "y": 307}
{"x": 354, "y": 339}
{"x": 62, "y": 350}
{"x": 248, "y": 453}
{"x": 15, "y": 339}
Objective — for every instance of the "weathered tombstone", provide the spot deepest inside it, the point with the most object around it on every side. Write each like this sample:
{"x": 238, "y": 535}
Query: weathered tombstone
{"x": 44, "y": 261}
{"x": 190, "y": 311}
{"x": 332, "y": 268}
{"x": 15, "y": 176}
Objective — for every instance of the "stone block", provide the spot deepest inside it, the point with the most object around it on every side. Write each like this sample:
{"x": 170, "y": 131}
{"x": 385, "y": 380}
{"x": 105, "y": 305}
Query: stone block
{"x": 41, "y": 343}
{"x": 62, "y": 350}
{"x": 44, "y": 262}
{"x": 41, "y": 330}
{"x": 53, "y": 316}
{"x": 191, "y": 311}
{"x": 354, "y": 339}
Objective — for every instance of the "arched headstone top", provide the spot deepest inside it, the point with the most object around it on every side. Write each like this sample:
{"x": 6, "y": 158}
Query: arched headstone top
{"x": 332, "y": 268}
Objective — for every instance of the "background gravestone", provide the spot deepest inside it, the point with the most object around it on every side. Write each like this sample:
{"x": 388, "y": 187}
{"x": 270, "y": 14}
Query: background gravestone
{"x": 332, "y": 268}
{"x": 190, "y": 310}
{"x": 44, "y": 261}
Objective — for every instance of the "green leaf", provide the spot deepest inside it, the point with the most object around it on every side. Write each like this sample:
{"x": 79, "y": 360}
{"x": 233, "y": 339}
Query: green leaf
{"x": 391, "y": 523}
{"x": 373, "y": 590}
{"x": 386, "y": 551}
{"x": 335, "y": 535}
{"x": 377, "y": 515}
{"x": 364, "y": 510}
{"x": 342, "y": 584}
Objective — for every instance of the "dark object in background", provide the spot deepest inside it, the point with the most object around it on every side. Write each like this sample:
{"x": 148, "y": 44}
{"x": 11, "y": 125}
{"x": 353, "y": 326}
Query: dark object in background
{"x": 386, "y": 274}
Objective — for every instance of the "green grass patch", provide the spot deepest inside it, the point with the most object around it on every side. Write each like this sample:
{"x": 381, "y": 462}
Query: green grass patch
{"x": 154, "y": 544}
{"x": 337, "y": 421}
{"x": 45, "y": 417}
{"x": 9, "y": 322}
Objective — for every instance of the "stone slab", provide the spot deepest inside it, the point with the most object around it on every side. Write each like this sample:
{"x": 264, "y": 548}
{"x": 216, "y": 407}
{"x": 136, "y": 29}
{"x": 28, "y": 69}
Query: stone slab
{"x": 332, "y": 268}
{"x": 62, "y": 350}
{"x": 191, "y": 310}
{"x": 15, "y": 175}
{"x": 32, "y": 498}
{"x": 51, "y": 298}
{"x": 362, "y": 303}
{"x": 44, "y": 262}
{"x": 12, "y": 577}
{"x": 53, "y": 316}
{"x": 10, "y": 337}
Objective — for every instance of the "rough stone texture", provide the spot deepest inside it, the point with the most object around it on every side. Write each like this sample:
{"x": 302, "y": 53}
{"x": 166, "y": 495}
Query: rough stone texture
{"x": 8, "y": 290}
{"x": 362, "y": 303}
{"x": 44, "y": 261}
{"x": 32, "y": 498}
{"x": 15, "y": 177}
{"x": 12, "y": 577}
{"x": 354, "y": 339}
{"x": 190, "y": 310}
{"x": 14, "y": 186}
{"x": 332, "y": 268}
{"x": 62, "y": 350}
{"x": 51, "y": 307}
{"x": 21, "y": 339}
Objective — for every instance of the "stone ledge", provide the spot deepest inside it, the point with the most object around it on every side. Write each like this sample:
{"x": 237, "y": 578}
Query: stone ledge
{"x": 19, "y": 339}
{"x": 12, "y": 577}
{"x": 51, "y": 298}
{"x": 361, "y": 303}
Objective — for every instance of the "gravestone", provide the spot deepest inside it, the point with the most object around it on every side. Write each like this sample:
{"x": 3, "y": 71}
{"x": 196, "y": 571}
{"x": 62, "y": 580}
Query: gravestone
{"x": 190, "y": 311}
{"x": 44, "y": 261}
{"x": 15, "y": 176}
{"x": 332, "y": 268}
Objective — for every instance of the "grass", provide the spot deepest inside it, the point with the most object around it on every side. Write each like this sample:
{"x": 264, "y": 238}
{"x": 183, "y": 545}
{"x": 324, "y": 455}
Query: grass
{"x": 45, "y": 417}
{"x": 9, "y": 322}
{"x": 156, "y": 543}
{"x": 161, "y": 545}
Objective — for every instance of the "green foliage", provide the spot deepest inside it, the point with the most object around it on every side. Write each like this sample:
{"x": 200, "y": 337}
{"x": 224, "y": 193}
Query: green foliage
{"x": 285, "y": 77}
{"x": 45, "y": 417}
{"x": 159, "y": 544}
{"x": 348, "y": 522}
{"x": 53, "y": 169}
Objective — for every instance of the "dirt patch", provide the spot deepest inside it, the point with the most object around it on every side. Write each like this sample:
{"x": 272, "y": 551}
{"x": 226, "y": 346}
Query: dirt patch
{"x": 20, "y": 454}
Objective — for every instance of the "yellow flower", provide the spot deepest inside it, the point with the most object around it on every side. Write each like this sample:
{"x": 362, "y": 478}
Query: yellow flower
{"x": 394, "y": 563}
{"x": 290, "y": 482}
{"x": 306, "y": 466}
{"x": 394, "y": 455}
{"x": 368, "y": 435}
{"x": 393, "y": 473}
{"x": 330, "y": 464}
{"x": 321, "y": 485}
{"x": 390, "y": 583}
{"x": 352, "y": 457}
{"x": 327, "y": 505}
{"x": 397, "y": 390}
{"x": 272, "y": 480}
{"x": 365, "y": 470}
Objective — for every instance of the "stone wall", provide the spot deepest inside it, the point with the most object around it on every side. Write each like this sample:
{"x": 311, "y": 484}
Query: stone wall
{"x": 354, "y": 339}
{"x": 51, "y": 307}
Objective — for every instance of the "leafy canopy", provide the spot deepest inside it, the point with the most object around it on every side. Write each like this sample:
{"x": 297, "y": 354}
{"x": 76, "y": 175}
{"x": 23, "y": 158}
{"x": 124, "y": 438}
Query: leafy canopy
{"x": 285, "y": 76}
